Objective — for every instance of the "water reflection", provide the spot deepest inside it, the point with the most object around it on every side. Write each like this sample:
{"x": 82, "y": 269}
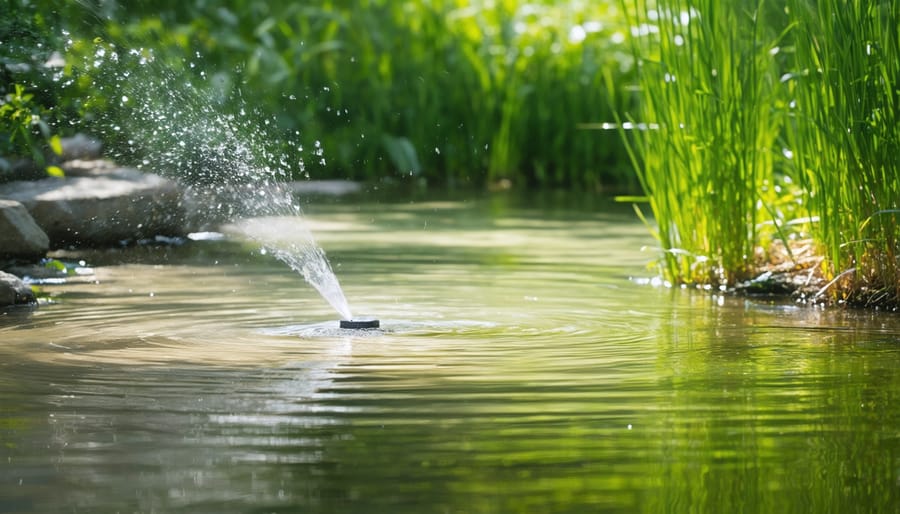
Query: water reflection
{"x": 517, "y": 371}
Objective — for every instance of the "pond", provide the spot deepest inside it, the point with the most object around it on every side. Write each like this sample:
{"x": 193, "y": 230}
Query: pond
{"x": 521, "y": 367}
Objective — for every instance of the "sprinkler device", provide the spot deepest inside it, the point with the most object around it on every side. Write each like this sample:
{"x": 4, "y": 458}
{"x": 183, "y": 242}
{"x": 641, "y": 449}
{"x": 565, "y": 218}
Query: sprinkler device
{"x": 360, "y": 324}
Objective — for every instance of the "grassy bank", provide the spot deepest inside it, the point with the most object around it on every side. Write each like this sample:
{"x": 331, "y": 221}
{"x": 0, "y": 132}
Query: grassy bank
{"x": 767, "y": 126}
{"x": 454, "y": 92}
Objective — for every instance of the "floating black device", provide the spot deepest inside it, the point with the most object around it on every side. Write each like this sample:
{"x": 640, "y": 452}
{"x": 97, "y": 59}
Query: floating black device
{"x": 357, "y": 323}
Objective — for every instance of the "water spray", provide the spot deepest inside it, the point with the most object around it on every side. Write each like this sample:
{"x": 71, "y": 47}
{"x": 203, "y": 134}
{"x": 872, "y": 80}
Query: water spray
{"x": 228, "y": 157}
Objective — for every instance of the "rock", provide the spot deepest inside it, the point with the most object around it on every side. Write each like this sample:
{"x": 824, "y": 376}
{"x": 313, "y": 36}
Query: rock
{"x": 88, "y": 167}
{"x": 20, "y": 169}
{"x": 80, "y": 146}
{"x": 122, "y": 204}
{"x": 13, "y": 291}
{"x": 325, "y": 187}
{"x": 20, "y": 236}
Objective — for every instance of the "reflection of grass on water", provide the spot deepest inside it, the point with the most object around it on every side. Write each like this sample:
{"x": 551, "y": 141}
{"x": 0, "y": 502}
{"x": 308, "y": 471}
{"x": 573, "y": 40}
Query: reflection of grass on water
{"x": 771, "y": 125}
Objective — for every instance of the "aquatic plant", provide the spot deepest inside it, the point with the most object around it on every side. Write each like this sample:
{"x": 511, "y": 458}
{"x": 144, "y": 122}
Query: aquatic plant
{"x": 758, "y": 124}
{"x": 845, "y": 133}
{"x": 705, "y": 127}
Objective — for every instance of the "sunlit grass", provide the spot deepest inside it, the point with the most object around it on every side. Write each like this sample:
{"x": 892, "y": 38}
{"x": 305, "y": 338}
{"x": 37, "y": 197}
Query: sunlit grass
{"x": 707, "y": 94}
{"x": 846, "y": 133}
{"x": 755, "y": 120}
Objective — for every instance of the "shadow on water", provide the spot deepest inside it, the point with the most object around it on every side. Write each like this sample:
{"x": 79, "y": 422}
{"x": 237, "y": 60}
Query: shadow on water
{"x": 517, "y": 370}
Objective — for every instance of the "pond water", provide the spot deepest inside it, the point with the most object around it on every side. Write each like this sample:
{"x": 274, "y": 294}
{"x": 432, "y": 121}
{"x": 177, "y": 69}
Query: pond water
{"x": 520, "y": 368}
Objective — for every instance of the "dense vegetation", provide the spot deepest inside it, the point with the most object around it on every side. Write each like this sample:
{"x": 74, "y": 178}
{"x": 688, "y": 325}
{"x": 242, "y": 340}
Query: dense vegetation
{"x": 456, "y": 93}
{"x": 771, "y": 124}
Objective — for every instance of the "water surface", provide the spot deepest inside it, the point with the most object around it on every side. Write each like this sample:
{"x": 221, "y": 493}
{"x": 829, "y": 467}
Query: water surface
{"x": 519, "y": 369}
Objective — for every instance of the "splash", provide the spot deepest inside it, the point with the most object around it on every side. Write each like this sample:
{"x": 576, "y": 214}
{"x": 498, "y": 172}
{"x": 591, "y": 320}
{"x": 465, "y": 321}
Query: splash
{"x": 291, "y": 241}
{"x": 176, "y": 124}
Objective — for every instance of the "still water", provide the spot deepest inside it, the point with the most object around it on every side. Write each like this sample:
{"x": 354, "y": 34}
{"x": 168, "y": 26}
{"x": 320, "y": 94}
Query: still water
{"x": 520, "y": 369}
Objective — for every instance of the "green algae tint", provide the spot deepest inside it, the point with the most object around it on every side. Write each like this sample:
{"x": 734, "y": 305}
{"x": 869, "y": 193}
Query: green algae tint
{"x": 517, "y": 369}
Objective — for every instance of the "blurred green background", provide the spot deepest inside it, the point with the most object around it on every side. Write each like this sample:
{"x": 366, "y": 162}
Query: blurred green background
{"x": 448, "y": 92}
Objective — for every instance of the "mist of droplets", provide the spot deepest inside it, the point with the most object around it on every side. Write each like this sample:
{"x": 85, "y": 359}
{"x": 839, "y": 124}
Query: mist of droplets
{"x": 174, "y": 124}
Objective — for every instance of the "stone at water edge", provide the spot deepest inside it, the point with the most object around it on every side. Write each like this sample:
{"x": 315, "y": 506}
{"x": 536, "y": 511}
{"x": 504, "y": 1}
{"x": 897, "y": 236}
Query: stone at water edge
{"x": 119, "y": 205}
{"x": 14, "y": 292}
{"x": 20, "y": 236}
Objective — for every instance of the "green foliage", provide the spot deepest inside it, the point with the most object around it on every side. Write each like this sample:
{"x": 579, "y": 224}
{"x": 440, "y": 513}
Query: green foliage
{"x": 471, "y": 93}
{"x": 709, "y": 117}
{"x": 21, "y": 123}
{"x": 757, "y": 117}
{"x": 24, "y": 131}
{"x": 27, "y": 99}
{"x": 846, "y": 134}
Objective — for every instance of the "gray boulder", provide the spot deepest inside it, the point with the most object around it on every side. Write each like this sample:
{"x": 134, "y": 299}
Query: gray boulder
{"x": 80, "y": 146}
{"x": 100, "y": 210}
{"x": 13, "y": 291}
{"x": 20, "y": 236}
{"x": 88, "y": 167}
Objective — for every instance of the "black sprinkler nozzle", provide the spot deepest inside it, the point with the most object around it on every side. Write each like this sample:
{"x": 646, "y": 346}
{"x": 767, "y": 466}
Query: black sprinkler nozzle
{"x": 358, "y": 324}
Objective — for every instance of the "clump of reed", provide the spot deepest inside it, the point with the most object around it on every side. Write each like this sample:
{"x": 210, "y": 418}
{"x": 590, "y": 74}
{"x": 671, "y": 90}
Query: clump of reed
{"x": 762, "y": 119}
{"x": 846, "y": 137}
{"x": 707, "y": 123}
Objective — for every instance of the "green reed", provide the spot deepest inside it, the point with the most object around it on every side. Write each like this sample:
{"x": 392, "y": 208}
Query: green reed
{"x": 743, "y": 98}
{"x": 709, "y": 119}
{"x": 846, "y": 134}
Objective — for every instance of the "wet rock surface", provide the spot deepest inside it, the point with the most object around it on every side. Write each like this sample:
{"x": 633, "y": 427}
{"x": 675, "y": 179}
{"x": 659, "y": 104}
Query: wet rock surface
{"x": 20, "y": 236}
{"x": 101, "y": 208}
{"x": 13, "y": 291}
